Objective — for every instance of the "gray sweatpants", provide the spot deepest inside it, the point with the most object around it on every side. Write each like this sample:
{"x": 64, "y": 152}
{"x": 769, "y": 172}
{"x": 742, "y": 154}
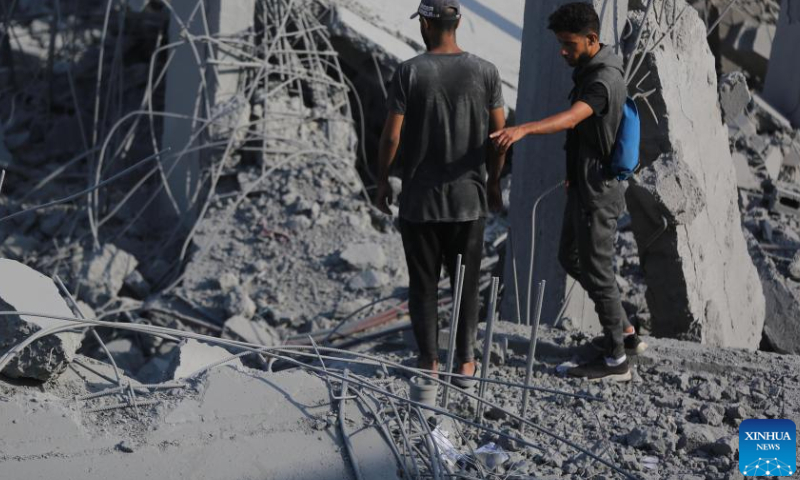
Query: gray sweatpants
{"x": 586, "y": 252}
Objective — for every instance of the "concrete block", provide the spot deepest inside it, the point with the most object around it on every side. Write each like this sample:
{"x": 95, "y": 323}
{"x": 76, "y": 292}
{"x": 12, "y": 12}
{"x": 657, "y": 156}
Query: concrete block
{"x": 544, "y": 86}
{"x": 782, "y": 86}
{"x": 369, "y": 280}
{"x": 791, "y": 155}
{"x": 782, "y": 325}
{"x": 745, "y": 178}
{"x": 750, "y": 45}
{"x": 734, "y": 95}
{"x": 785, "y": 200}
{"x": 103, "y": 273}
{"x": 794, "y": 268}
{"x": 251, "y": 331}
{"x": 701, "y": 282}
{"x": 192, "y": 355}
{"x": 773, "y": 161}
{"x": 23, "y": 289}
{"x": 363, "y": 256}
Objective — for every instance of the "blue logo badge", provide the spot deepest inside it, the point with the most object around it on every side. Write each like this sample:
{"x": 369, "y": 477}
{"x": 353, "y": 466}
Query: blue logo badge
{"x": 768, "y": 448}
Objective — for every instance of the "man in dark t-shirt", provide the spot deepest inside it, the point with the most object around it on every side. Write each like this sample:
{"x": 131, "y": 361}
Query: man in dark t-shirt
{"x": 442, "y": 106}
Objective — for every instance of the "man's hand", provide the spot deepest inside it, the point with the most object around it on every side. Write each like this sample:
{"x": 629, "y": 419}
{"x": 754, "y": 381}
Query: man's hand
{"x": 503, "y": 139}
{"x": 495, "y": 197}
{"x": 383, "y": 197}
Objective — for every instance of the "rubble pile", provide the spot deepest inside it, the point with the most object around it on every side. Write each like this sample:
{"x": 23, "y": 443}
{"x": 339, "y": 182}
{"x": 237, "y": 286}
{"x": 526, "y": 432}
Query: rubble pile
{"x": 199, "y": 177}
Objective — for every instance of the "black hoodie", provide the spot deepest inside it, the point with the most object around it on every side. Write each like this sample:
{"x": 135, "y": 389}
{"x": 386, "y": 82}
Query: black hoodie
{"x": 590, "y": 144}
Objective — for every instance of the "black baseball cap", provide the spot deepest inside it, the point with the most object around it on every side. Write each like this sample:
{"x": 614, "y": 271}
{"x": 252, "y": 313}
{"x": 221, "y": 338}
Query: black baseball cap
{"x": 439, "y": 9}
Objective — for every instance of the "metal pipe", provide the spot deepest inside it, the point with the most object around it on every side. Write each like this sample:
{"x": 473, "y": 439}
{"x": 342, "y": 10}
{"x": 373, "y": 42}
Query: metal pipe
{"x": 459, "y": 284}
{"x": 532, "y": 349}
{"x": 348, "y": 446}
{"x": 487, "y": 345}
{"x": 514, "y": 273}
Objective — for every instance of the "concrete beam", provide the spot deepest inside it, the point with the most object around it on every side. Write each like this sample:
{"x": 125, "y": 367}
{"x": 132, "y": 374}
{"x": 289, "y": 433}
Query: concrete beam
{"x": 782, "y": 87}
{"x": 191, "y": 78}
{"x": 539, "y": 163}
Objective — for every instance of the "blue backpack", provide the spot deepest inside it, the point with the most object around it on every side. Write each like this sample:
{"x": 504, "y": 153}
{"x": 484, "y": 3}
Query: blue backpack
{"x": 625, "y": 157}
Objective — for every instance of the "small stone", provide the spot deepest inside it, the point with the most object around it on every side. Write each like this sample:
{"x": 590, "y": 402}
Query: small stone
{"x": 369, "y": 280}
{"x": 711, "y": 414}
{"x": 238, "y": 303}
{"x": 709, "y": 391}
{"x": 228, "y": 281}
{"x": 794, "y": 267}
{"x": 136, "y": 283}
{"x": 364, "y": 256}
{"x": 728, "y": 445}
{"x": 495, "y": 413}
{"x": 735, "y": 412}
{"x": 124, "y": 447}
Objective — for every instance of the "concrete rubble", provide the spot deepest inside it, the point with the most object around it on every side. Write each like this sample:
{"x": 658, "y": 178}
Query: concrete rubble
{"x": 254, "y": 305}
{"x": 25, "y": 290}
{"x": 683, "y": 202}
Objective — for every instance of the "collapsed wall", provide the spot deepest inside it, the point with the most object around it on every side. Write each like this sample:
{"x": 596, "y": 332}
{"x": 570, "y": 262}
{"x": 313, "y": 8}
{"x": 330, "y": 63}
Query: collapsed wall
{"x": 702, "y": 283}
{"x": 544, "y": 86}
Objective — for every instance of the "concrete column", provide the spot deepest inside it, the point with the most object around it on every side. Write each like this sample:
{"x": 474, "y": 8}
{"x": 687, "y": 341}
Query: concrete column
{"x": 539, "y": 163}
{"x": 782, "y": 87}
{"x": 184, "y": 86}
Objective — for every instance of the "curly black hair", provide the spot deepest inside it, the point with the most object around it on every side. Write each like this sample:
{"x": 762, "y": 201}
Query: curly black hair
{"x": 576, "y": 17}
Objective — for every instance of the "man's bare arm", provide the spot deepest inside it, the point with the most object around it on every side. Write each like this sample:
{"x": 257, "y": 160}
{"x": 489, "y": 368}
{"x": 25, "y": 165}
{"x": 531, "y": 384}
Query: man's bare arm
{"x": 559, "y": 122}
{"x": 496, "y": 159}
{"x": 387, "y": 151}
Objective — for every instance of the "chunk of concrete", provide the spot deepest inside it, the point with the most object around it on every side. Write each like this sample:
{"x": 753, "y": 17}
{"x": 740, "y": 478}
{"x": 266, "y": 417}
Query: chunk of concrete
{"x": 544, "y": 86}
{"x": 364, "y": 256}
{"x": 238, "y": 303}
{"x": 191, "y": 356}
{"x": 734, "y": 95}
{"x": 23, "y": 289}
{"x": 745, "y": 178}
{"x": 103, "y": 273}
{"x": 794, "y": 268}
{"x": 369, "y": 280}
{"x": 782, "y": 325}
{"x": 785, "y": 199}
{"x": 773, "y": 161}
{"x": 251, "y": 331}
{"x": 701, "y": 281}
{"x": 750, "y": 46}
{"x": 782, "y": 86}
{"x": 127, "y": 355}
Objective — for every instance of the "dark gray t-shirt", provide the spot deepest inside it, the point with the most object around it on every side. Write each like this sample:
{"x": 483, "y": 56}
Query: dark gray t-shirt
{"x": 446, "y": 100}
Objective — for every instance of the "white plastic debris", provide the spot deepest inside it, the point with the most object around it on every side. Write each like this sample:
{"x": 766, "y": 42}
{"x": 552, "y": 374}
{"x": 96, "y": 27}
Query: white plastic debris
{"x": 447, "y": 450}
{"x": 650, "y": 463}
{"x": 562, "y": 369}
{"x": 491, "y": 455}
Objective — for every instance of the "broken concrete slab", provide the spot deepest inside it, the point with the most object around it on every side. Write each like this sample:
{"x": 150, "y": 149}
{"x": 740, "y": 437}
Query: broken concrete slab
{"x": 192, "y": 355}
{"x": 745, "y": 178}
{"x": 782, "y": 86}
{"x": 230, "y": 424}
{"x": 127, "y": 354}
{"x": 773, "y": 161}
{"x": 701, "y": 282}
{"x": 23, "y": 289}
{"x": 785, "y": 199}
{"x": 749, "y": 45}
{"x": 251, "y": 331}
{"x": 734, "y": 95}
{"x": 364, "y": 256}
{"x": 103, "y": 273}
{"x": 782, "y": 325}
{"x": 544, "y": 86}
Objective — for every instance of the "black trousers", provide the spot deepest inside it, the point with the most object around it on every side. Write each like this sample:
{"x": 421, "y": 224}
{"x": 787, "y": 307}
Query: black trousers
{"x": 587, "y": 252}
{"x": 427, "y": 246}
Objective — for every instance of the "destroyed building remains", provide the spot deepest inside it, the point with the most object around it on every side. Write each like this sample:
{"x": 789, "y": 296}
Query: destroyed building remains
{"x": 193, "y": 278}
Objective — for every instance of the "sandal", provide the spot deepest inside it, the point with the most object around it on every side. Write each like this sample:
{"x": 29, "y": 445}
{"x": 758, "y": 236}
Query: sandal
{"x": 465, "y": 382}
